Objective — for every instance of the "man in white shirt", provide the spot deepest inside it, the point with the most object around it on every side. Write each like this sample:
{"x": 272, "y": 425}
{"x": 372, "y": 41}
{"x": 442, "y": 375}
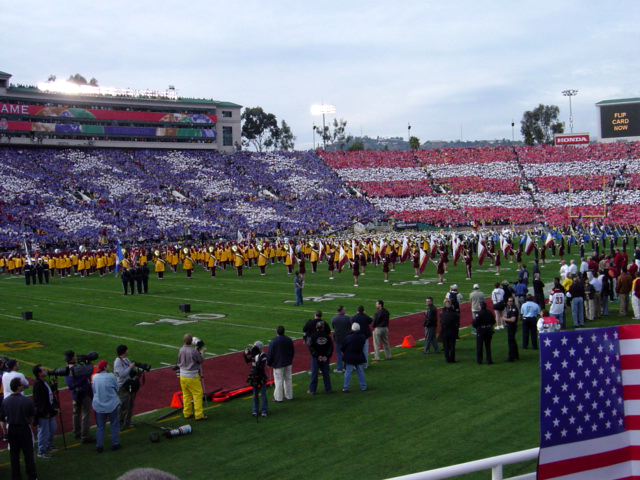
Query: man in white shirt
{"x": 12, "y": 366}
{"x": 573, "y": 268}
{"x": 564, "y": 269}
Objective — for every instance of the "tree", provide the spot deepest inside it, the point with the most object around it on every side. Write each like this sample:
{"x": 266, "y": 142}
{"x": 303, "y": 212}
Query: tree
{"x": 356, "y": 146}
{"x": 335, "y": 137}
{"x": 93, "y": 82}
{"x": 414, "y": 143}
{"x": 539, "y": 125}
{"x": 258, "y": 128}
{"x": 77, "y": 79}
{"x": 52, "y": 78}
{"x": 285, "y": 137}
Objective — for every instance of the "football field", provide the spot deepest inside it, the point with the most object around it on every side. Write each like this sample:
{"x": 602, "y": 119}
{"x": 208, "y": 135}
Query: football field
{"x": 418, "y": 413}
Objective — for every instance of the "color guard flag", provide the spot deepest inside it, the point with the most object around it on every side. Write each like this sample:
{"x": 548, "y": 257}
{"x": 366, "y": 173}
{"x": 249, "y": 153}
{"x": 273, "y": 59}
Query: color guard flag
{"x": 424, "y": 259}
{"x": 482, "y": 252}
{"x": 529, "y": 246}
{"x": 321, "y": 251}
{"x": 405, "y": 249}
{"x": 548, "y": 242}
{"x": 455, "y": 248}
{"x": 119, "y": 256}
{"x": 590, "y": 404}
{"x": 342, "y": 259}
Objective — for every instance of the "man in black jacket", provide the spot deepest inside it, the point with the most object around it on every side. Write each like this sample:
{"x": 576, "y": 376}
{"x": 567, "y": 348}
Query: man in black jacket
{"x": 430, "y": 325}
{"x": 449, "y": 319}
{"x": 483, "y": 323}
{"x": 365, "y": 322}
{"x": 46, "y": 411}
{"x": 280, "y": 358}
{"x": 321, "y": 349}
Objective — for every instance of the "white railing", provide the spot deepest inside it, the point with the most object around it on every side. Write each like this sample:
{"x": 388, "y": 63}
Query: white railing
{"x": 492, "y": 463}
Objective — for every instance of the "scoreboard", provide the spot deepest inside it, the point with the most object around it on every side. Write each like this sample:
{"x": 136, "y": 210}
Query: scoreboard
{"x": 619, "y": 119}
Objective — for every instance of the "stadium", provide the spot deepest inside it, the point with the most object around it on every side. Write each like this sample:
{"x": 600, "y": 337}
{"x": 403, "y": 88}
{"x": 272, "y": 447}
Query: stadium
{"x": 96, "y": 181}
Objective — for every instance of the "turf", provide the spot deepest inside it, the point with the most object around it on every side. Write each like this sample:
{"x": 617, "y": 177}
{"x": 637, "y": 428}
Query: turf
{"x": 419, "y": 413}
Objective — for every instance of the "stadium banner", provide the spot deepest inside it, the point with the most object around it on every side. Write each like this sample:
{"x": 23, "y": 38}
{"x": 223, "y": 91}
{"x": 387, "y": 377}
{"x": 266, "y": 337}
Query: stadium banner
{"x": 620, "y": 120}
{"x": 572, "y": 139}
{"x": 42, "y": 111}
{"x": 107, "y": 130}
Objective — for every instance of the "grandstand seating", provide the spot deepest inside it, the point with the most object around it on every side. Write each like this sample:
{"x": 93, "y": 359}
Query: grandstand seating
{"x": 67, "y": 195}
{"x": 145, "y": 194}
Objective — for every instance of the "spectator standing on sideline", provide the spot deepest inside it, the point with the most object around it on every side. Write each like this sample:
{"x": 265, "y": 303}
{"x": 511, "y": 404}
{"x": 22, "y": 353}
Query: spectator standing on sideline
{"x": 623, "y": 288}
{"x": 341, "y": 325}
{"x": 476, "y": 298}
{"x": 321, "y": 349}
{"x": 280, "y": 358}
{"x": 511, "y": 315}
{"x": 381, "y": 332}
{"x": 530, "y": 312}
{"x": 499, "y": 302}
{"x": 46, "y": 411}
{"x": 449, "y": 319}
{"x": 365, "y": 322}
{"x": 484, "y": 323}
{"x": 18, "y": 412}
{"x": 430, "y": 326}
{"x": 105, "y": 403}
{"x": 354, "y": 358}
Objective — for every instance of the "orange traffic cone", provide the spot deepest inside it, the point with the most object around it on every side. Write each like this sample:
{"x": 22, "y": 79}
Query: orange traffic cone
{"x": 176, "y": 401}
{"x": 408, "y": 342}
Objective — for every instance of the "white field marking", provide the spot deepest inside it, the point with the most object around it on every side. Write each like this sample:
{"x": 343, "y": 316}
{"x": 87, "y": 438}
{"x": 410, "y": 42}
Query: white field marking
{"x": 137, "y": 312}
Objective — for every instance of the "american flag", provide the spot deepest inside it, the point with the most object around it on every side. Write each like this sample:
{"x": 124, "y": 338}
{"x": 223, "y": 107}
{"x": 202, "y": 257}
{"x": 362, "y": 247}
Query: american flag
{"x": 590, "y": 404}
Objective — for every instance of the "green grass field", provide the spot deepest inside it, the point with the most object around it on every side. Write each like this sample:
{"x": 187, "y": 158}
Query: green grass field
{"x": 419, "y": 413}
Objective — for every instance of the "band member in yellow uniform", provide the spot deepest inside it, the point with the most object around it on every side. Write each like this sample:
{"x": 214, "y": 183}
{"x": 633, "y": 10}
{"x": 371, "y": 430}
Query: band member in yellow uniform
{"x": 262, "y": 260}
{"x": 187, "y": 262}
{"x": 160, "y": 265}
{"x": 314, "y": 255}
{"x": 238, "y": 259}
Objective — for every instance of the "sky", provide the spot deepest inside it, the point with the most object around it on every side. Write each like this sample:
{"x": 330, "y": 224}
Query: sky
{"x": 457, "y": 69}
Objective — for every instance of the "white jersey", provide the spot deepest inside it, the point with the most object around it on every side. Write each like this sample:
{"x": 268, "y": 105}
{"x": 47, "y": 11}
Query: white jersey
{"x": 556, "y": 302}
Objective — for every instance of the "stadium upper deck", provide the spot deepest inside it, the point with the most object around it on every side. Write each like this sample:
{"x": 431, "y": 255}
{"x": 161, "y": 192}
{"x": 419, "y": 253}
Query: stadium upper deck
{"x": 42, "y": 115}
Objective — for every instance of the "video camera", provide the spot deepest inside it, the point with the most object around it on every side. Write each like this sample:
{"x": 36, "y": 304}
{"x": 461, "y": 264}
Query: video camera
{"x": 87, "y": 358}
{"x": 197, "y": 343}
{"x": 139, "y": 368}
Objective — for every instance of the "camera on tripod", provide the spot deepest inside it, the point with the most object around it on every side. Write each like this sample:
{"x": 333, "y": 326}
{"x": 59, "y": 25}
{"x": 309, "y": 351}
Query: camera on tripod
{"x": 139, "y": 368}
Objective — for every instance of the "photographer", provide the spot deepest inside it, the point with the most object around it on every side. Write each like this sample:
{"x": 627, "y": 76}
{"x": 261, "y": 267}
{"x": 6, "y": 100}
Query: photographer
{"x": 80, "y": 387}
{"x": 46, "y": 411}
{"x": 257, "y": 377}
{"x": 128, "y": 384}
{"x": 190, "y": 361}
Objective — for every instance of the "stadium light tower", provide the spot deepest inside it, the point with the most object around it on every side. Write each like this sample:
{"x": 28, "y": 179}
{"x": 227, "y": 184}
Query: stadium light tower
{"x": 570, "y": 93}
{"x": 323, "y": 110}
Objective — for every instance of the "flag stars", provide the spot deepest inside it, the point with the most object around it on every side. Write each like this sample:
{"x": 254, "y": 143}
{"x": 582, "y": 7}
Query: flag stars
{"x": 608, "y": 424}
{"x": 563, "y": 432}
{"x": 564, "y": 341}
{"x": 564, "y": 410}
{"x": 556, "y": 353}
{"x": 572, "y": 374}
{"x": 556, "y": 399}
{"x": 580, "y": 385}
{"x": 547, "y": 366}
{"x": 556, "y": 422}
{"x": 572, "y": 352}
{"x": 587, "y": 417}
{"x": 601, "y": 393}
{"x": 587, "y": 372}
{"x": 547, "y": 412}
{"x": 594, "y": 427}
{"x": 547, "y": 389}
{"x": 600, "y": 349}
{"x": 594, "y": 382}
{"x": 547, "y": 342}
{"x": 594, "y": 406}
{"x": 580, "y": 407}
{"x": 556, "y": 376}
{"x": 564, "y": 387}
{"x": 594, "y": 338}
{"x": 564, "y": 364}
{"x": 594, "y": 360}
{"x": 587, "y": 395}
{"x": 580, "y": 339}
{"x": 572, "y": 419}
{"x": 601, "y": 415}
{"x": 572, "y": 397}
{"x": 579, "y": 430}
{"x": 580, "y": 362}
{"x": 601, "y": 371}
{"x": 587, "y": 350}
{"x": 547, "y": 436}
